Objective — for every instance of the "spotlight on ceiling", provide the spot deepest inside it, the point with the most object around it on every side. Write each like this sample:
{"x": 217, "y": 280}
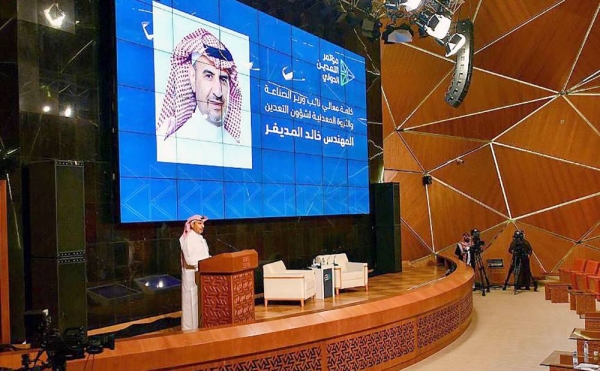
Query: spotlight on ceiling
{"x": 409, "y": 5}
{"x": 436, "y": 25}
{"x": 454, "y": 44}
{"x": 397, "y": 35}
{"x": 54, "y": 15}
{"x": 370, "y": 29}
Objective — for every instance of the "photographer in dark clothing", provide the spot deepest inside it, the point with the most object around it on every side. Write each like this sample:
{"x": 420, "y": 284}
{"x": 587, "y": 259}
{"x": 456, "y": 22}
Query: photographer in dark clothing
{"x": 521, "y": 250}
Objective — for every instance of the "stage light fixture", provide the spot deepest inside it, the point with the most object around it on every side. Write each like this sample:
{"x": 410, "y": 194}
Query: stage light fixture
{"x": 397, "y": 35}
{"x": 454, "y": 44}
{"x": 436, "y": 25}
{"x": 54, "y": 15}
{"x": 370, "y": 29}
{"x": 411, "y": 5}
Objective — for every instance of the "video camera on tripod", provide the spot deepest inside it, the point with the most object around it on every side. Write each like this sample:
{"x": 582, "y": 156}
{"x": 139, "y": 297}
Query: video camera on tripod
{"x": 519, "y": 249}
{"x": 72, "y": 344}
{"x": 477, "y": 243}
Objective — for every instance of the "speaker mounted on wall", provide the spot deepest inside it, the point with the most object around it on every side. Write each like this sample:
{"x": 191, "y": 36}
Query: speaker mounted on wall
{"x": 463, "y": 68}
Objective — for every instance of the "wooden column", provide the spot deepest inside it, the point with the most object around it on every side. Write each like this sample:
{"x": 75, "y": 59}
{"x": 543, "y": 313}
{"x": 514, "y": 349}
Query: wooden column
{"x": 4, "y": 288}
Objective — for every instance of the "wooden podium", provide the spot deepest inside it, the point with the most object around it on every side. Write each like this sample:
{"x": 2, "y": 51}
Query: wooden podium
{"x": 226, "y": 288}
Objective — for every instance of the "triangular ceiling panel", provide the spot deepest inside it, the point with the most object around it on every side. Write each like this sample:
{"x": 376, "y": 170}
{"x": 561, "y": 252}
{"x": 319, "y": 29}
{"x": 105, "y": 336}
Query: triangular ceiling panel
{"x": 488, "y": 91}
{"x": 547, "y": 248}
{"x": 542, "y": 51}
{"x": 496, "y": 19}
{"x": 456, "y": 214}
{"x": 412, "y": 247}
{"x": 398, "y": 157}
{"x": 532, "y": 182}
{"x": 594, "y": 243}
{"x": 589, "y": 107}
{"x": 594, "y": 233}
{"x": 587, "y": 63}
{"x": 486, "y": 125}
{"x": 434, "y": 150}
{"x": 413, "y": 204}
{"x": 558, "y": 131}
{"x": 486, "y": 188}
{"x": 403, "y": 80}
{"x": 572, "y": 220}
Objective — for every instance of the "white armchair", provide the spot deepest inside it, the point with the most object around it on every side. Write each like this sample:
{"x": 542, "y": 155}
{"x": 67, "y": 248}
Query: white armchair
{"x": 287, "y": 284}
{"x": 347, "y": 274}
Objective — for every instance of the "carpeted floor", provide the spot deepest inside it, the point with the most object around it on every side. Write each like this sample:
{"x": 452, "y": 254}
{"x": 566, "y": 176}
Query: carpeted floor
{"x": 509, "y": 333}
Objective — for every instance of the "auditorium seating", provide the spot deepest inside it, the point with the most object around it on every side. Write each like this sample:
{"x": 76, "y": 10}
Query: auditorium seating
{"x": 283, "y": 284}
{"x": 347, "y": 274}
{"x": 565, "y": 273}
{"x": 580, "y": 281}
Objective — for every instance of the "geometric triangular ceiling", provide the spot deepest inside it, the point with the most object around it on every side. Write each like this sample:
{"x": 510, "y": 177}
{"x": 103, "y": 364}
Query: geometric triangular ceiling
{"x": 521, "y": 151}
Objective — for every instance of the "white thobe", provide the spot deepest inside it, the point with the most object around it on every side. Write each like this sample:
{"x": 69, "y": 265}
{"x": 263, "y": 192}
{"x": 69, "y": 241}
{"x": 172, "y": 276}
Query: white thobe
{"x": 194, "y": 248}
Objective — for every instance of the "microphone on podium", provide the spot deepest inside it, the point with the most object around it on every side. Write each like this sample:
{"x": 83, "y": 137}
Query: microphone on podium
{"x": 228, "y": 244}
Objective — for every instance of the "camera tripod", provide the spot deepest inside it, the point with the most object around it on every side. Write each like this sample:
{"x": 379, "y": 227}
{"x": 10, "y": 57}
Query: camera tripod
{"x": 480, "y": 273}
{"x": 515, "y": 270}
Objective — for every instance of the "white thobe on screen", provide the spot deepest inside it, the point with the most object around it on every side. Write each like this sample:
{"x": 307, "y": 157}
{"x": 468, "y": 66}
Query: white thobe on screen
{"x": 193, "y": 248}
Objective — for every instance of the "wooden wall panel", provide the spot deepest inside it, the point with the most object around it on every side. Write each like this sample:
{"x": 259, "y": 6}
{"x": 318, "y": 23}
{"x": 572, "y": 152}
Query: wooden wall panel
{"x": 587, "y": 63}
{"x": 548, "y": 248}
{"x": 589, "y": 107}
{"x": 485, "y": 125}
{"x": 533, "y": 182}
{"x": 496, "y": 19}
{"x": 558, "y": 131}
{"x": 405, "y": 82}
{"x": 434, "y": 150}
{"x": 412, "y": 247}
{"x": 540, "y": 52}
{"x": 456, "y": 214}
{"x": 413, "y": 204}
{"x": 477, "y": 177}
{"x": 486, "y": 92}
{"x": 572, "y": 220}
{"x": 398, "y": 157}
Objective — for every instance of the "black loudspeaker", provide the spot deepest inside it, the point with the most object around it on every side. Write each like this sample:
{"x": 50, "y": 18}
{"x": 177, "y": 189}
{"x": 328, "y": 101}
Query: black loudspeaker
{"x": 464, "y": 66}
{"x": 57, "y": 213}
{"x": 59, "y": 286}
{"x": 57, "y": 235}
{"x": 385, "y": 209}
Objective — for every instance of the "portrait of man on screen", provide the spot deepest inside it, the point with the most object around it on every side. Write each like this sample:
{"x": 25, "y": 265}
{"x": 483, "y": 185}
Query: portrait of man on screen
{"x": 202, "y": 104}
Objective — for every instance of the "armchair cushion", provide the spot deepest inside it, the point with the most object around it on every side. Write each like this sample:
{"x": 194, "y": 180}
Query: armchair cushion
{"x": 287, "y": 284}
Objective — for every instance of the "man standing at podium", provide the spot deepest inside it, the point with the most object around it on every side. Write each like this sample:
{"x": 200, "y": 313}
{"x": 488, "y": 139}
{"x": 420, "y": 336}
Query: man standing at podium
{"x": 193, "y": 249}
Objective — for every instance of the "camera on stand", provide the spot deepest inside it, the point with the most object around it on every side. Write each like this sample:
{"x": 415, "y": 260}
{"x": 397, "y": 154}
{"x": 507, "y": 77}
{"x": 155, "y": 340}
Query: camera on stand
{"x": 72, "y": 344}
{"x": 476, "y": 248}
{"x": 477, "y": 243}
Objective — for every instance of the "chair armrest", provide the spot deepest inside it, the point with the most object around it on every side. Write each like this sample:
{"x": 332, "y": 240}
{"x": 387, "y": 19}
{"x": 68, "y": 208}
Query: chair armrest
{"x": 284, "y": 276}
{"x": 352, "y": 266}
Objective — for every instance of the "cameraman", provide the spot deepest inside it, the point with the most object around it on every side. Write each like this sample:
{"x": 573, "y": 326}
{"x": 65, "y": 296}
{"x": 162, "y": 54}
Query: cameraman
{"x": 521, "y": 250}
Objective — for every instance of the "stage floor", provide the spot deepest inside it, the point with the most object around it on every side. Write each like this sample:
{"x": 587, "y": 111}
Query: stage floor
{"x": 380, "y": 287}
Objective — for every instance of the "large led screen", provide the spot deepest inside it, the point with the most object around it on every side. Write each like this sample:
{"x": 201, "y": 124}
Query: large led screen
{"x": 228, "y": 112}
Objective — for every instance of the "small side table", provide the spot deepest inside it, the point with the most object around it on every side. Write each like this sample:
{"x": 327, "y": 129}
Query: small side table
{"x": 324, "y": 281}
